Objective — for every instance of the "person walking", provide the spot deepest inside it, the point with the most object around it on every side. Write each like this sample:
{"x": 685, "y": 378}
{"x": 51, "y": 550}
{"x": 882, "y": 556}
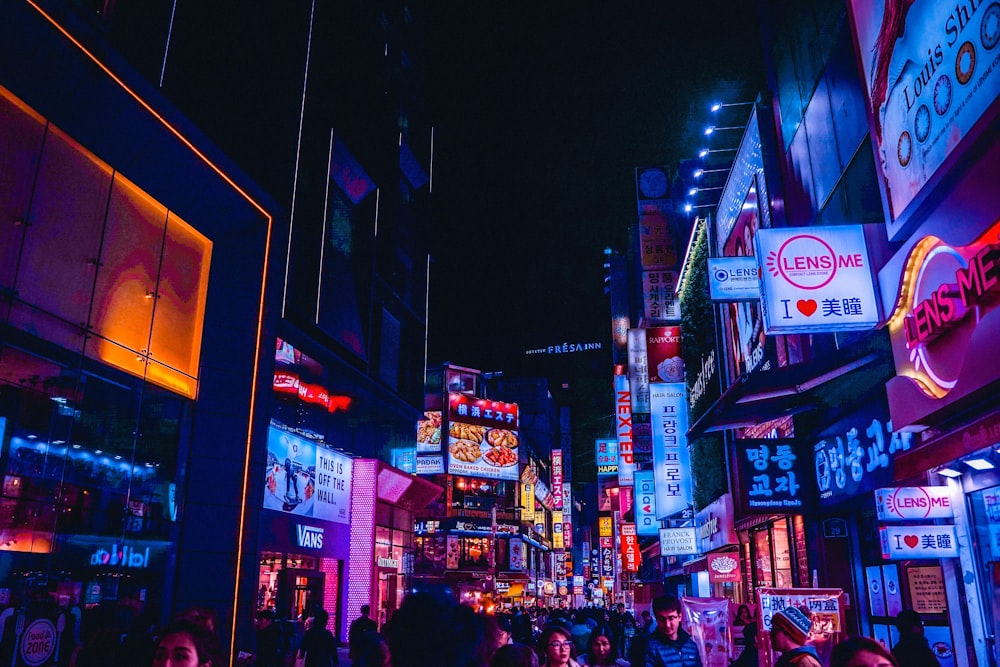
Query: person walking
{"x": 912, "y": 648}
{"x": 669, "y": 645}
{"x": 359, "y": 627}
{"x": 750, "y": 656}
{"x": 271, "y": 647}
{"x": 600, "y": 650}
{"x": 789, "y": 631}
{"x": 319, "y": 646}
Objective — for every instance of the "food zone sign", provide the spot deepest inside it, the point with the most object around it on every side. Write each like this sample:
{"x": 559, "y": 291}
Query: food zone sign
{"x": 913, "y": 502}
{"x": 816, "y": 279}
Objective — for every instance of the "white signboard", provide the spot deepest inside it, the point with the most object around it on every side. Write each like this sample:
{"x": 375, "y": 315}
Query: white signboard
{"x": 816, "y": 279}
{"x": 913, "y": 502}
{"x": 678, "y": 541}
{"x": 912, "y": 542}
{"x": 638, "y": 370}
{"x": 333, "y": 486}
{"x": 733, "y": 278}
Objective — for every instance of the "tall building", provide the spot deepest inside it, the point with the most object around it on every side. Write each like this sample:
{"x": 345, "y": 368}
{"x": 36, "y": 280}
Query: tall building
{"x": 200, "y": 362}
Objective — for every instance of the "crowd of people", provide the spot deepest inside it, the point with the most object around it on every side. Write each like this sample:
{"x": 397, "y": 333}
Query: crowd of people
{"x": 434, "y": 630}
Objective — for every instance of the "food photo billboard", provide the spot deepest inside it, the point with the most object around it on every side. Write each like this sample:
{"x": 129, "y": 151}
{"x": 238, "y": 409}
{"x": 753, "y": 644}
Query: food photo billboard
{"x": 931, "y": 79}
{"x": 483, "y": 437}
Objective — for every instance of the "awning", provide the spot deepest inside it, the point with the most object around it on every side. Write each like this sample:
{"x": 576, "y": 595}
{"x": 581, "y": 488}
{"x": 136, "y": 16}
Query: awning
{"x": 763, "y": 396}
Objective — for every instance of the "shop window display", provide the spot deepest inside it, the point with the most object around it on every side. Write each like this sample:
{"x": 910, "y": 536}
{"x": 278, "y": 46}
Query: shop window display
{"x": 986, "y": 516}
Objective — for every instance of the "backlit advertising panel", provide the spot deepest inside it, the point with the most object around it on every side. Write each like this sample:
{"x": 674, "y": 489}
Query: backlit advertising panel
{"x": 557, "y": 479}
{"x": 773, "y": 476}
{"x": 671, "y": 459}
{"x": 305, "y": 478}
{"x": 646, "y": 522}
{"x": 659, "y": 296}
{"x": 429, "y": 432}
{"x": 903, "y": 503}
{"x": 733, "y": 279}
{"x": 930, "y": 73}
{"x": 631, "y": 555}
{"x": 912, "y": 542}
{"x": 482, "y": 437}
{"x": 816, "y": 279}
{"x": 663, "y": 354}
{"x": 606, "y": 456}
{"x": 623, "y": 429}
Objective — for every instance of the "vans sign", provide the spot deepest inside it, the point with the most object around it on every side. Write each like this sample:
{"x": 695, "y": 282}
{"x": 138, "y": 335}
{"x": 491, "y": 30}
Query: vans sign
{"x": 308, "y": 537}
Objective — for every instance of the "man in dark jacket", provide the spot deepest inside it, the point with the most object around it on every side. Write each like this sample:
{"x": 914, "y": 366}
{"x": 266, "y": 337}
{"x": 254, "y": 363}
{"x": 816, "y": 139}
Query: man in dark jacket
{"x": 669, "y": 645}
{"x": 271, "y": 645}
{"x": 359, "y": 627}
{"x": 912, "y": 649}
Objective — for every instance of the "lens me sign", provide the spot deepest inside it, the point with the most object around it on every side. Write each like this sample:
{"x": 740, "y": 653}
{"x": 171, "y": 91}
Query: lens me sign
{"x": 913, "y": 502}
{"x": 816, "y": 279}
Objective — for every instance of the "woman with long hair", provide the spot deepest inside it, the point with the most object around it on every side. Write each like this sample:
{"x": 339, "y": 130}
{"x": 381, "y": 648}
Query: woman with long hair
{"x": 861, "y": 652}
{"x": 600, "y": 649}
{"x": 555, "y": 647}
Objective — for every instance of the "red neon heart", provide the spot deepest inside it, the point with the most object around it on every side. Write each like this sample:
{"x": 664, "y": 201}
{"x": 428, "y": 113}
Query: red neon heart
{"x": 806, "y": 306}
{"x": 911, "y": 540}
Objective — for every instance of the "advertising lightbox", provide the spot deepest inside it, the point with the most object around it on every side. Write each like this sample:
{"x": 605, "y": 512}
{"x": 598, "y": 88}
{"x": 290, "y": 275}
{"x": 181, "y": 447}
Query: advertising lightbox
{"x": 930, "y": 73}
{"x": 733, "y": 279}
{"x": 912, "y": 542}
{"x": 903, "y": 503}
{"x": 816, "y": 279}
{"x": 305, "y": 478}
{"x": 678, "y": 541}
{"x": 623, "y": 430}
{"x": 606, "y": 456}
{"x": 482, "y": 437}
{"x": 645, "y": 504}
{"x": 638, "y": 370}
{"x": 671, "y": 459}
{"x": 663, "y": 354}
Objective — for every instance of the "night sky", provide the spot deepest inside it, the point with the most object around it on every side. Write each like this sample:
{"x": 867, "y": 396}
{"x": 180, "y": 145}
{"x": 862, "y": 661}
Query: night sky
{"x": 542, "y": 111}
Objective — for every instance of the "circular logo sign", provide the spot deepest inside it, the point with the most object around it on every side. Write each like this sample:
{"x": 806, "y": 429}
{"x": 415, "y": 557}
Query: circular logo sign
{"x": 804, "y": 261}
{"x": 721, "y": 275}
{"x": 38, "y": 642}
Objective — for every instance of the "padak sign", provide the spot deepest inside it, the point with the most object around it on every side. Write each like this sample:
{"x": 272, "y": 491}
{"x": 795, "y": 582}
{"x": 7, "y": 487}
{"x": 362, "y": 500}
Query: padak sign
{"x": 914, "y": 502}
{"x": 912, "y": 542}
{"x": 816, "y": 279}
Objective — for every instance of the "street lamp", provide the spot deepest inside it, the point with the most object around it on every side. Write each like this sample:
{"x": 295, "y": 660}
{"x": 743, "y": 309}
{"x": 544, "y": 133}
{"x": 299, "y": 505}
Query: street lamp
{"x": 690, "y": 207}
{"x": 698, "y": 173}
{"x": 703, "y": 153}
{"x": 712, "y": 128}
{"x": 721, "y": 105}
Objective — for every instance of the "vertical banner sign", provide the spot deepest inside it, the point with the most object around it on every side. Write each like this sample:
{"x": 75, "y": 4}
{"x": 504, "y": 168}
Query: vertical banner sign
{"x": 528, "y": 495}
{"x": 557, "y": 530}
{"x": 671, "y": 459}
{"x": 557, "y": 479}
{"x": 625, "y": 498}
{"x": 623, "y": 429}
{"x": 604, "y": 526}
{"x": 567, "y": 516}
{"x": 658, "y": 295}
{"x": 606, "y": 456}
{"x": 816, "y": 279}
{"x": 645, "y": 504}
{"x": 607, "y": 557}
{"x": 631, "y": 557}
{"x": 638, "y": 370}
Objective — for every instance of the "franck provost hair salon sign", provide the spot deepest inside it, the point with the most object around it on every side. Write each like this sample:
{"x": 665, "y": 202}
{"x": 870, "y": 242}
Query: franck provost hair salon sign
{"x": 816, "y": 279}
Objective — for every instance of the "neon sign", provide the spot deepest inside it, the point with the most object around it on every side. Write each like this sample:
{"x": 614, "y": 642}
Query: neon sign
{"x": 945, "y": 292}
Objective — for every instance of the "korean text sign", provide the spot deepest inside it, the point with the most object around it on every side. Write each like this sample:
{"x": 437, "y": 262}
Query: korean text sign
{"x": 816, "y": 279}
{"x": 671, "y": 459}
{"x": 482, "y": 437}
{"x": 773, "y": 477}
{"x": 631, "y": 556}
{"x": 928, "y": 83}
{"x": 855, "y": 454}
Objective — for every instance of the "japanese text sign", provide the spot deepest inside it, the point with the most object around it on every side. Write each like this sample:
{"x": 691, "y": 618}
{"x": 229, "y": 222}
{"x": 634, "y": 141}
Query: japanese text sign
{"x": 645, "y": 504}
{"x": 606, "y": 456}
{"x": 631, "y": 556}
{"x": 855, "y": 454}
{"x": 557, "y": 479}
{"x": 929, "y": 81}
{"x": 914, "y": 502}
{"x": 772, "y": 475}
{"x": 482, "y": 437}
{"x": 912, "y": 542}
{"x": 816, "y": 279}
{"x": 623, "y": 429}
{"x": 671, "y": 459}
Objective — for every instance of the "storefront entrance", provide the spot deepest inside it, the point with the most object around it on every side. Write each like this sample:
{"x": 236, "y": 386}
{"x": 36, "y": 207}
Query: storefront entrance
{"x": 305, "y": 593}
